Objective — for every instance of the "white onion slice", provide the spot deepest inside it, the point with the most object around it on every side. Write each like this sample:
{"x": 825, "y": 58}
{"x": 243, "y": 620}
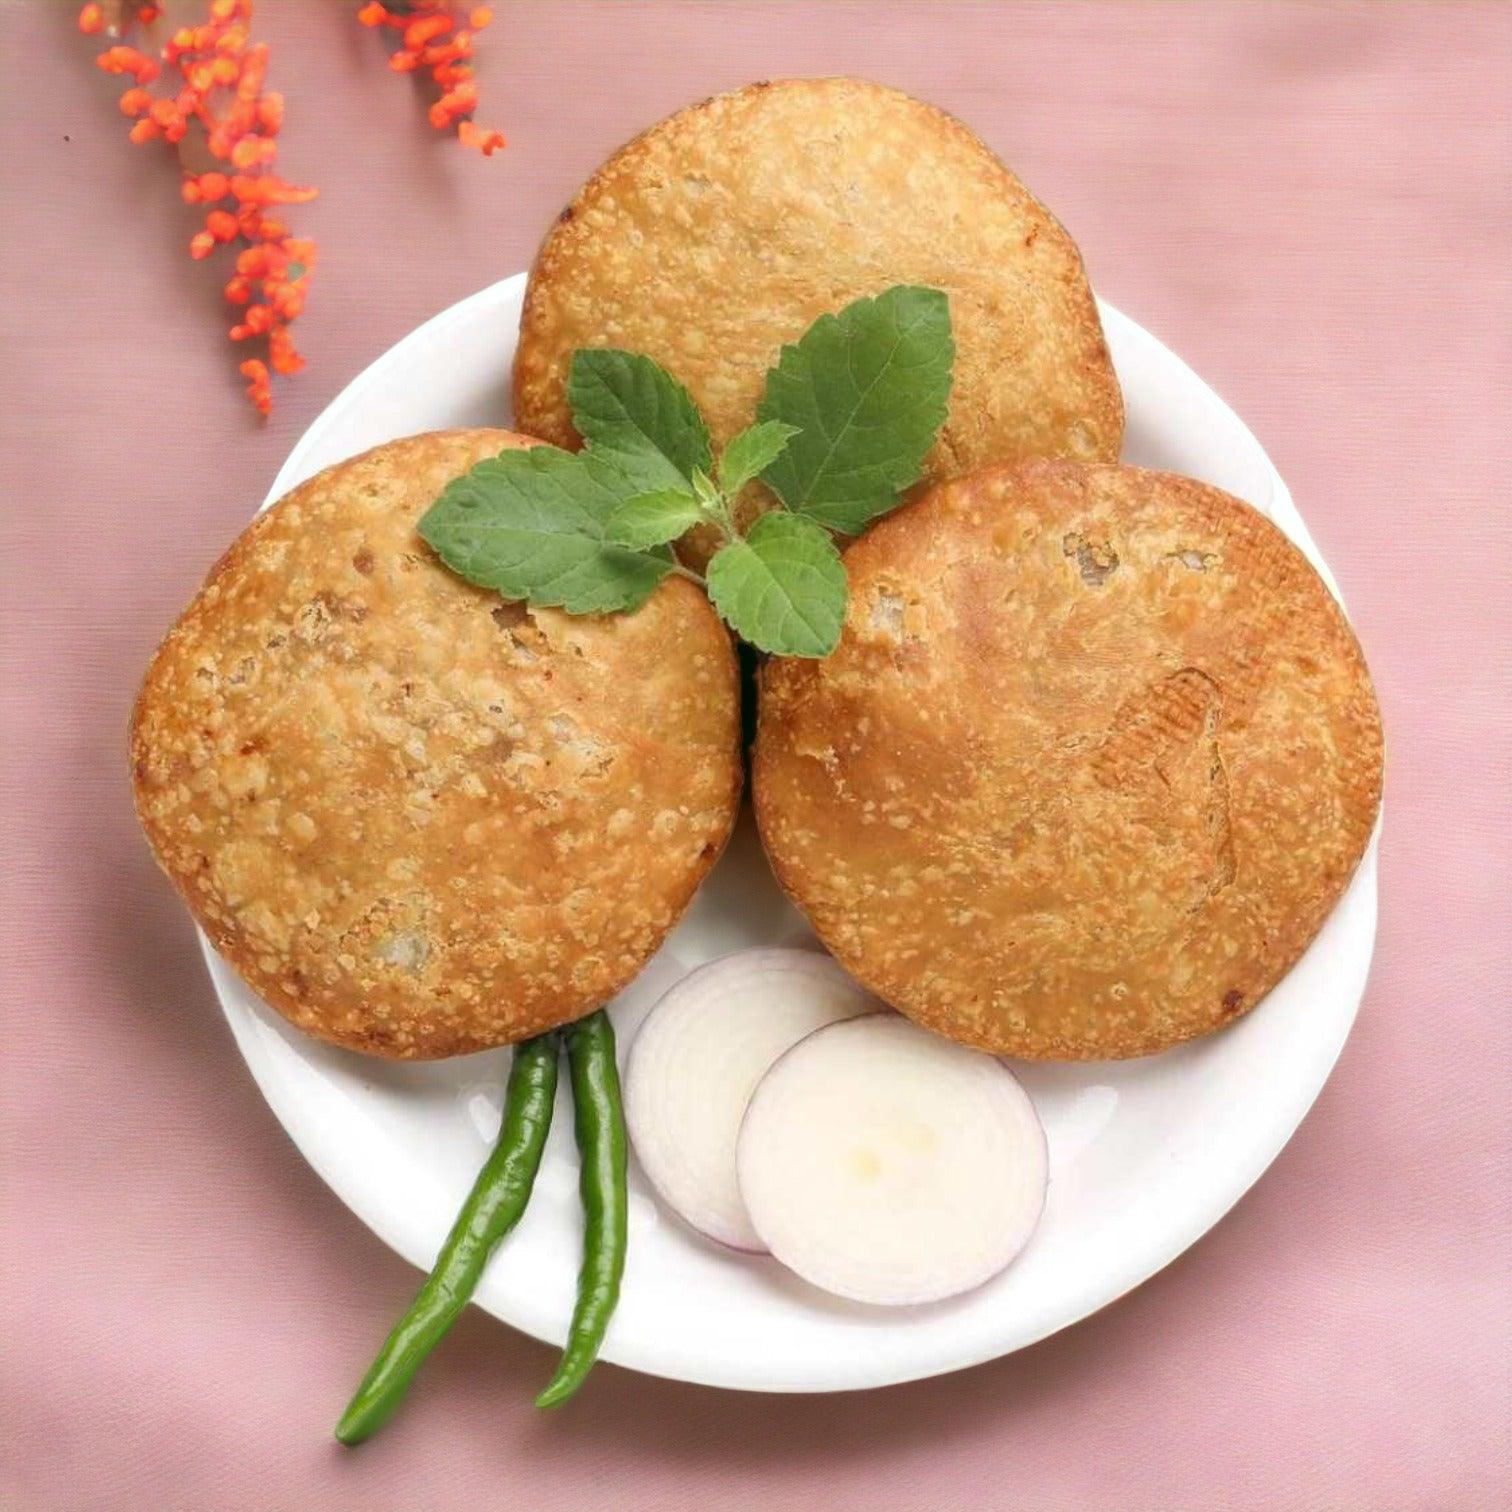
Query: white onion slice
{"x": 697, "y": 1059}
{"x": 887, "y": 1165}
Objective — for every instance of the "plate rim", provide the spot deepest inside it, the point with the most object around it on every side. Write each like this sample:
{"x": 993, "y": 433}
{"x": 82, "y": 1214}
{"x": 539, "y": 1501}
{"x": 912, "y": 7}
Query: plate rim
{"x": 684, "y": 1363}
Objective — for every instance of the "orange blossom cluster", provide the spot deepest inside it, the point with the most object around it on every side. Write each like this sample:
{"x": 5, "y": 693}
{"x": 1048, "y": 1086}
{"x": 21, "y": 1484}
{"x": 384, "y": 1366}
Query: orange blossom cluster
{"x": 431, "y": 37}
{"x": 225, "y": 127}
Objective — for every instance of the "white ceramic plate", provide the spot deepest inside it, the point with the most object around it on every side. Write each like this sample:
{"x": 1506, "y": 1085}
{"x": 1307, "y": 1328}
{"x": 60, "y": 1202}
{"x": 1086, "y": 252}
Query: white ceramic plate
{"x": 1145, "y": 1156}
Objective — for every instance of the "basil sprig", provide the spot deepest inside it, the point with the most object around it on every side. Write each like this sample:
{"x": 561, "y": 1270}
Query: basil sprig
{"x": 848, "y": 416}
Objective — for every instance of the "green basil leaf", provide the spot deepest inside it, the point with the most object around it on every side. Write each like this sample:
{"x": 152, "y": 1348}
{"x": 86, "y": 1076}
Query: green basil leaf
{"x": 652, "y": 519}
{"x": 782, "y": 588}
{"x": 867, "y": 390}
{"x": 638, "y": 419}
{"x": 751, "y": 452}
{"x": 531, "y": 525}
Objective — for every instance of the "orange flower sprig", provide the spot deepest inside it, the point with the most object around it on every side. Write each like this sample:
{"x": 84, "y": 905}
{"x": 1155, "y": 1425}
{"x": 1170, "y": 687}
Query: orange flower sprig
{"x": 430, "y": 36}
{"x": 219, "y": 113}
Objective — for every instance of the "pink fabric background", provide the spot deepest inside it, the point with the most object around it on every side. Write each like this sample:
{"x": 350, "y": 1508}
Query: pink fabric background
{"x": 1310, "y": 204}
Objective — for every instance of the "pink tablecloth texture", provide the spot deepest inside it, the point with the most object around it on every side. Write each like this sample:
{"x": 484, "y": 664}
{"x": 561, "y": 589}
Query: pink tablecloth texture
{"x": 1311, "y": 204}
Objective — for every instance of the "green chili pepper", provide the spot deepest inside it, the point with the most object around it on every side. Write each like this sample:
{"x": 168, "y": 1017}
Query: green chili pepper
{"x": 599, "y": 1119}
{"x": 492, "y": 1209}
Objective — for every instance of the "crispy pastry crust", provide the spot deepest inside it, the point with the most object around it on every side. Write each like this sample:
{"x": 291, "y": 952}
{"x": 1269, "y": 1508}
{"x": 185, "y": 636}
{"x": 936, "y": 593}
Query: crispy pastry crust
{"x": 726, "y": 230}
{"x": 420, "y": 821}
{"x": 1097, "y": 754}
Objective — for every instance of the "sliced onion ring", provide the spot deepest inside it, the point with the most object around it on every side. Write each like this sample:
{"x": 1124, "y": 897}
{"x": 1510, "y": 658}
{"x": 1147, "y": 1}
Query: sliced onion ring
{"x": 698, "y": 1057}
{"x": 890, "y": 1166}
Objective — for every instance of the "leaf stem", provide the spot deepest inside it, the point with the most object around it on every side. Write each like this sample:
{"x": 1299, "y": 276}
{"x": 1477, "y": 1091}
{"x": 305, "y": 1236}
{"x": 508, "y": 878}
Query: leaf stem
{"x": 713, "y": 504}
{"x": 687, "y": 572}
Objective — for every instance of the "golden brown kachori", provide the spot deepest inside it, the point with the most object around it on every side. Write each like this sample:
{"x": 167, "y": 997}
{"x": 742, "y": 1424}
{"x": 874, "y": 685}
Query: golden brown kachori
{"x": 1097, "y": 754}
{"x": 726, "y": 230}
{"x": 416, "y": 819}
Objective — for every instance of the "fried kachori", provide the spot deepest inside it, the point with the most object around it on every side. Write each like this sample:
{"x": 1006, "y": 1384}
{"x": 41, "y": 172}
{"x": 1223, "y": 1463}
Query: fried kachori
{"x": 1097, "y": 754}
{"x": 419, "y": 820}
{"x": 726, "y": 230}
